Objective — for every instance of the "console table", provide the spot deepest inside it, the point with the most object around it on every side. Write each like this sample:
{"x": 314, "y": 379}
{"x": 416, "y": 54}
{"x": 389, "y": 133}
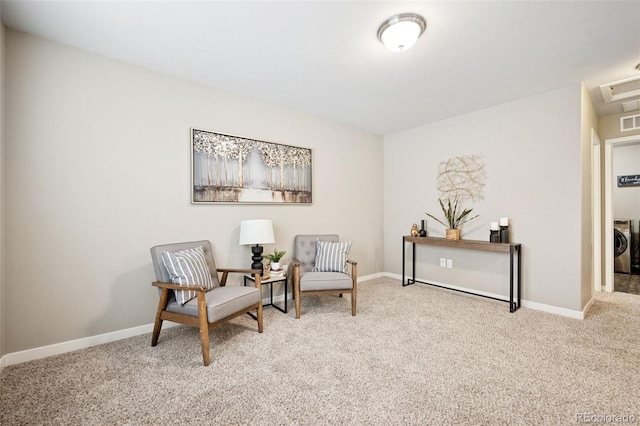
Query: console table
{"x": 511, "y": 248}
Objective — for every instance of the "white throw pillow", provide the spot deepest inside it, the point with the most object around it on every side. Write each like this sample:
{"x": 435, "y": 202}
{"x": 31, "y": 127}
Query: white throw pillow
{"x": 188, "y": 267}
{"x": 332, "y": 256}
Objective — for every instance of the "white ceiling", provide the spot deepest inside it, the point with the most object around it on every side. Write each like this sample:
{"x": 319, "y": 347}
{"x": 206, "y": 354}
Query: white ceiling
{"x": 323, "y": 57}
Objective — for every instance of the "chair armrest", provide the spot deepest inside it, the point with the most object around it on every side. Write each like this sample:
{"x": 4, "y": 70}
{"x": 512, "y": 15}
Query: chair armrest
{"x": 295, "y": 269}
{"x": 295, "y": 274}
{"x": 241, "y": 271}
{"x": 172, "y": 286}
{"x": 354, "y": 268}
{"x": 225, "y": 273}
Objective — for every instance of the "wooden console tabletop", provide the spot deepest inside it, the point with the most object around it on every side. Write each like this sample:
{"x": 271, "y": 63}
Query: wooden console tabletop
{"x": 511, "y": 248}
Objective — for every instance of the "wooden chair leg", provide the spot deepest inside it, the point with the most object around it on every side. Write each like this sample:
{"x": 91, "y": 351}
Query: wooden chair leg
{"x": 204, "y": 340}
{"x": 259, "y": 316}
{"x": 156, "y": 331}
{"x": 354, "y": 298}
{"x": 204, "y": 328}
{"x": 157, "y": 325}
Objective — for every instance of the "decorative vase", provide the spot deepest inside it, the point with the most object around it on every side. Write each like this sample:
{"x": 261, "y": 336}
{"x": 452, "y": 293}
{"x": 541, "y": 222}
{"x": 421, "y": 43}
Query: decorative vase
{"x": 453, "y": 234}
{"x": 266, "y": 272}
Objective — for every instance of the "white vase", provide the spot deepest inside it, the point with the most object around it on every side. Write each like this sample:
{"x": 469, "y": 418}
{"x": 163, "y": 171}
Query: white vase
{"x": 275, "y": 266}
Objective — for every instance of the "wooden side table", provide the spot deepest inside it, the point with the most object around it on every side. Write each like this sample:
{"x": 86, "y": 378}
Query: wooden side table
{"x": 270, "y": 282}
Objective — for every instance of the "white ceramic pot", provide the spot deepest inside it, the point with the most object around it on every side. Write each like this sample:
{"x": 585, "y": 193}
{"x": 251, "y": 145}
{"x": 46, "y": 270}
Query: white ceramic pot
{"x": 275, "y": 266}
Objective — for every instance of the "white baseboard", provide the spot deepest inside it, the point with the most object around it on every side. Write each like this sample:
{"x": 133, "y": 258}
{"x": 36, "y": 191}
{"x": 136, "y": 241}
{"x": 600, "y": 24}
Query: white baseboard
{"x": 370, "y": 277}
{"x": 74, "y": 345}
{"x": 554, "y": 310}
{"x": 87, "y": 342}
{"x": 559, "y": 311}
{"x": 524, "y": 303}
{"x": 3, "y": 363}
{"x": 588, "y": 306}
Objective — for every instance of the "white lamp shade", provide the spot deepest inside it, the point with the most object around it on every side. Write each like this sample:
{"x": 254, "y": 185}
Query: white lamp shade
{"x": 257, "y": 231}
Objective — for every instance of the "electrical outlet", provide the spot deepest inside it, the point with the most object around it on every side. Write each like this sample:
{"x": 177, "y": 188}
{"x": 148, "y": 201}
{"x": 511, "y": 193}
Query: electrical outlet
{"x": 449, "y": 263}
{"x": 443, "y": 262}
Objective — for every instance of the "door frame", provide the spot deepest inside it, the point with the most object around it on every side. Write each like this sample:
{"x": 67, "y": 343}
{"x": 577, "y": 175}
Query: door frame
{"x": 596, "y": 209}
{"x": 608, "y": 204}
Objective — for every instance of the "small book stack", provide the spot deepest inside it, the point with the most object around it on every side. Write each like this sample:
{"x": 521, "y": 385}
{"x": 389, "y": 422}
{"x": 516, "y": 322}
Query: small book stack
{"x": 277, "y": 273}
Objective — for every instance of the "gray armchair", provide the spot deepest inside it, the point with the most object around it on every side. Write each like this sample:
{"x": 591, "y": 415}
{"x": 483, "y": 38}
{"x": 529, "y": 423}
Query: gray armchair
{"x": 340, "y": 279}
{"x": 213, "y": 304}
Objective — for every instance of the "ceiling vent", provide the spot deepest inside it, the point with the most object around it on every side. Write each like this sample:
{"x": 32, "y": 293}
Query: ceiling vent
{"x": 622, "y": 89}
{"x": 631, "y": 122}
{"x": 631, "y": 105}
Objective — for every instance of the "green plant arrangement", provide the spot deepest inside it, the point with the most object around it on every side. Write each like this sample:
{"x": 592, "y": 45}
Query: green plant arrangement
{"x": 454, "y": 218}
{"x": 275, "y": 256}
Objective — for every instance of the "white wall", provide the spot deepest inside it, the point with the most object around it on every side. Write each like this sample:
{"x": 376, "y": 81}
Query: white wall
{"x": 532, "y": 151}
{"x": 2, "y": 269}
{"x": 97, "y": 172}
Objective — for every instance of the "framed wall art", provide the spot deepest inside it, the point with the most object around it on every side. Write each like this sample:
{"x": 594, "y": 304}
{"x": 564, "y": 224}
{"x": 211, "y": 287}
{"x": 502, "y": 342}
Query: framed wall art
{"x": 234, "y": 169}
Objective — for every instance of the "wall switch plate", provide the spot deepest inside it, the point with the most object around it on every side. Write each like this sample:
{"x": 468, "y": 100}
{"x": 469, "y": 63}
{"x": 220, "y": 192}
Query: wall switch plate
{"x": 449, "y": 263}
{"x": 443, "y": 262}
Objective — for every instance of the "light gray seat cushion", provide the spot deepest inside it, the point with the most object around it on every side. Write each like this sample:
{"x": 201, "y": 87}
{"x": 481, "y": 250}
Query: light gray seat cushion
{"x": 221, "y": 302}
{"x": 310, "y": 281}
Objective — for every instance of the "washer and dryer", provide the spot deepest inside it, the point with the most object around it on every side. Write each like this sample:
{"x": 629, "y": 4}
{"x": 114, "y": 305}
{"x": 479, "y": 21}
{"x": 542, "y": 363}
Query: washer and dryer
{"x": 622, "y": 230}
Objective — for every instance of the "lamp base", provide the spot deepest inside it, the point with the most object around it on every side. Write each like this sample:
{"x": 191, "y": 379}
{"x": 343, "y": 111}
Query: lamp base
{"x": 257, "y": 257}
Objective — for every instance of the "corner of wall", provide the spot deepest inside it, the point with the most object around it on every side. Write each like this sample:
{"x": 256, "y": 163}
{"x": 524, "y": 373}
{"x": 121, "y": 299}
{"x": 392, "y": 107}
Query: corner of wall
{"x": 588, "y": 123}
{"x": 2, "y": 298}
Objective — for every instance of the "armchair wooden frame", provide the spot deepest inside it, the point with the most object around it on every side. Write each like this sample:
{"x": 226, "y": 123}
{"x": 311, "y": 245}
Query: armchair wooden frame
{"x": 201, "y": 321}
{"x": 297, "y": 293}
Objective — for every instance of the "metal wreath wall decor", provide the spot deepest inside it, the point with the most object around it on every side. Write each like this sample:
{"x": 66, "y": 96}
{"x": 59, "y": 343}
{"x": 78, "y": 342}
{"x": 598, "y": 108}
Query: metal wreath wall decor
{"x": 462, "y": 178}
{"x": 234, "y": 169}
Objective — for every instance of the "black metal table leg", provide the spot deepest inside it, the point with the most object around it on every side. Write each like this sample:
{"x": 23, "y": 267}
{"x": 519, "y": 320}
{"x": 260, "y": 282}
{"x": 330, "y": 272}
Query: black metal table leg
{"x": 511, "y": 306}
{"x": 403, "y": 260}
{"x": 519, "y": 274}
{"x": 413, "y": 263}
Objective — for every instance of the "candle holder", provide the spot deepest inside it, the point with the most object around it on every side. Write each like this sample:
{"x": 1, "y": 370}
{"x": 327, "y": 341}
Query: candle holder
{"x": 494, "y": 233}
{"x": 423, "y": 228}
{"x": 504, "y": 229}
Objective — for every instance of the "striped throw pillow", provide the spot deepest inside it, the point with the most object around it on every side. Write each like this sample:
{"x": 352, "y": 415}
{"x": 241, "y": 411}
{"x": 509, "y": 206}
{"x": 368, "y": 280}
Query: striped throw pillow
{"x": 188, "y": 267}
{"x": 331, "y": 256}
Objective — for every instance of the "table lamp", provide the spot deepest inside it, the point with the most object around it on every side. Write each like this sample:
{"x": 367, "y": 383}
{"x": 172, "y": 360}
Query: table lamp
{"x": 256, "y": 231}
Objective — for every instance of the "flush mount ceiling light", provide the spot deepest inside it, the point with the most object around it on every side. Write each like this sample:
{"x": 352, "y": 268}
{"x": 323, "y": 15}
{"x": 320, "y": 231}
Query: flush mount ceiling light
{"x": 400, "y": 32}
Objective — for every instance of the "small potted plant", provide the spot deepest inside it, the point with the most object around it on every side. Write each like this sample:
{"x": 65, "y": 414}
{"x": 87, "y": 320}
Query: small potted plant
{"x": 274, "y": 258}
{"x": 454, "y": 219}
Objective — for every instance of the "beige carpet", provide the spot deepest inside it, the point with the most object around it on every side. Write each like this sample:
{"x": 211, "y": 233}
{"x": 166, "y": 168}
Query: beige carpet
{"x": 414, "y": 355}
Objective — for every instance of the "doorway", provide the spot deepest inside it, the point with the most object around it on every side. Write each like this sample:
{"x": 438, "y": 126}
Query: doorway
{"x": 609, "y": 182}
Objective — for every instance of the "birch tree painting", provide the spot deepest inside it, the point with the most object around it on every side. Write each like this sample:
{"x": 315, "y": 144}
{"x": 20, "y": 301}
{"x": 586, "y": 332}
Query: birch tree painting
{"x": 234, "y": 169}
